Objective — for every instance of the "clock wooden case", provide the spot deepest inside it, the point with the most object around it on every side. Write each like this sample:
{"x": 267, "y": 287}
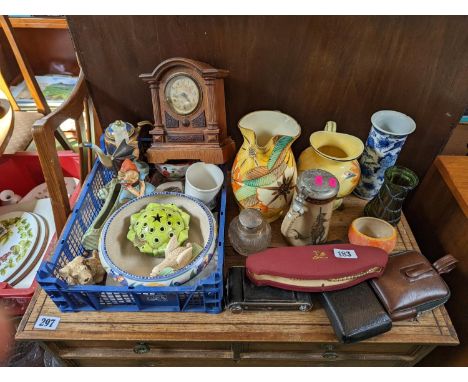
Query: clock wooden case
{"x": 189, "y": 112}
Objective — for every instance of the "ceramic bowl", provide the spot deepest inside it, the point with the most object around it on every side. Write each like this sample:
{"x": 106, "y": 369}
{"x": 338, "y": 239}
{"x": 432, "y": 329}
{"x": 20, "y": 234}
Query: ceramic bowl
{"x": 128, "y": 266}
{"x": 373, "y": 232}
{"x": 173, "y": 170}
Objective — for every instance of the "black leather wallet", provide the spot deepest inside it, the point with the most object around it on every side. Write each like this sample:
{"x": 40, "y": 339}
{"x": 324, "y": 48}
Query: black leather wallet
{"x": 355, "y": 313}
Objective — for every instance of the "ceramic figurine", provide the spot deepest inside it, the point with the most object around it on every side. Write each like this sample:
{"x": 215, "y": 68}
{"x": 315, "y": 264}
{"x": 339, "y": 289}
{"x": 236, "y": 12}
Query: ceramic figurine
{"x": 336, "y": 153}
{"x": 83, "y": 270}
{"x": 132, "y": 184}
{"x": 386, "y": 138}
{"x": 264, "y": 171}
{"x": 175, "y": 257}
{"x": 127, "y": 186}
{"x": 387, "y": 204}
{"x": 308, "y": 220}
{"x": 152, "y": 228}
{"x": 249, "y": 232}
{"x": 119, "y": 131}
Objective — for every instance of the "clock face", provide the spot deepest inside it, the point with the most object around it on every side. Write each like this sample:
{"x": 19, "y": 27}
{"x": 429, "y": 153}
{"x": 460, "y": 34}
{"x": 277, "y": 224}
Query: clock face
{"x": 182, "y": 94}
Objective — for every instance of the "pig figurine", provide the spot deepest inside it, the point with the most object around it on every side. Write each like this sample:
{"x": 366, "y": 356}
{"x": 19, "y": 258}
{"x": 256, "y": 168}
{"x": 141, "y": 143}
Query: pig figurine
{"x": 83, "y": 270}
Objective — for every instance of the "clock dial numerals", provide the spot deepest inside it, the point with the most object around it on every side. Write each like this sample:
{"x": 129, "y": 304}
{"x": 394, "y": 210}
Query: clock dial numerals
{"x": 182, "y": 94}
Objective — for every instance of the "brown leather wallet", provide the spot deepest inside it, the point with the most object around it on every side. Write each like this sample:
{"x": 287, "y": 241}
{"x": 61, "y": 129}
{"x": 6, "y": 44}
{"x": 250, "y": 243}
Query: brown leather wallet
{"x": 410, "y": 285}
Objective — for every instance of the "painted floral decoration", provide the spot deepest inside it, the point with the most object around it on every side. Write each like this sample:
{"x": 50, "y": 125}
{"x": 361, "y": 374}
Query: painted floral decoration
{"x": 16, "y": 252}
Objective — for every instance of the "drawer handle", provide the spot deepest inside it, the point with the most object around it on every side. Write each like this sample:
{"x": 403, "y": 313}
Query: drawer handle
{"x": 141, "y": 348}
{"x": 330, "y": 355}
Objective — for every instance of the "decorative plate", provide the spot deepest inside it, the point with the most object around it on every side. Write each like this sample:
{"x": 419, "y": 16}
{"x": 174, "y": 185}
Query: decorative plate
{"x": 26, "y": 276}
{"x": 18, "y": 243}
{"x": 128, "y": 266}
{"x": 41, "y": 191}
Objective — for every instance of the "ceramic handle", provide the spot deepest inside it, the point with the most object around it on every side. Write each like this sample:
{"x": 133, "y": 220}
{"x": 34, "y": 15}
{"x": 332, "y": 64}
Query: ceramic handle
{"x": 288, "y": 221}
{"x": 330, "y": 126}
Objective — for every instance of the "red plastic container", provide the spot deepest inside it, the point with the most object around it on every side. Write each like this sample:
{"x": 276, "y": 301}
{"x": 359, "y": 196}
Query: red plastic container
{"x": 21, "y": 172}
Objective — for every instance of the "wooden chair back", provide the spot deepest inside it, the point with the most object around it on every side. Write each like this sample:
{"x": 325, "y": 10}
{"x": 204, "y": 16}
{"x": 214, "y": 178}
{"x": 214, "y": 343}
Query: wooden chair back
{"x": 79, "y": 108}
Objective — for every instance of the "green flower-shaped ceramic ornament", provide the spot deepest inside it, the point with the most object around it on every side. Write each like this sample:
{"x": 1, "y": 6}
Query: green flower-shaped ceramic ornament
{"x": 151, "y": 229}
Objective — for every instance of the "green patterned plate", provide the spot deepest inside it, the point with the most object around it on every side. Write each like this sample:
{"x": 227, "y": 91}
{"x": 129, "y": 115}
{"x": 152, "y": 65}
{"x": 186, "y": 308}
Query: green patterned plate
{"x": 18, "y": 243}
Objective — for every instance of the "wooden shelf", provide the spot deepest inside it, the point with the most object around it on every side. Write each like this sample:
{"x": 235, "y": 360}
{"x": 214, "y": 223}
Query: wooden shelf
{"x": 39, "y": 22}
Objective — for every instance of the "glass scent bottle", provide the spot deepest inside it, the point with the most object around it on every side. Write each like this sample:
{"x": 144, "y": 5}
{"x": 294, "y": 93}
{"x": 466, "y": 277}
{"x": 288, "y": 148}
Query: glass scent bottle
{"x": 249, "y": 232}
{"x": 387, "y": 204}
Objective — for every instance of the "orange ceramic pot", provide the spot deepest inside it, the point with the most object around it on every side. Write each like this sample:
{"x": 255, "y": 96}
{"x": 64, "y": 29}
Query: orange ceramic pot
{"x": 373, "y": 232}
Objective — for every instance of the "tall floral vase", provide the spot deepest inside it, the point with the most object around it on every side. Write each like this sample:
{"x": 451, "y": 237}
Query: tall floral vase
{"x": 264, "y": 171}
{"x": 386, "y": 138}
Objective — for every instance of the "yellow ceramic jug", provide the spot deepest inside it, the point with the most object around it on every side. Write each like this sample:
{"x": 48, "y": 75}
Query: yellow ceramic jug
{"x": 264, "y": 172}
{"x": 336, "y": 153}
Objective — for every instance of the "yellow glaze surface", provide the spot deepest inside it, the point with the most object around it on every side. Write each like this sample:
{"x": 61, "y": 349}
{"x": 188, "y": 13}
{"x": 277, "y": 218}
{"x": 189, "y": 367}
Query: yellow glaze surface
{"x": 336, "y": 153}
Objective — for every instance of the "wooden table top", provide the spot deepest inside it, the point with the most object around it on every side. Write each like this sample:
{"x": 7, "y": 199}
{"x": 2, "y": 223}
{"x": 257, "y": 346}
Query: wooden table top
{"x": 432, "y": 328}
{"x": 454, "y": 171}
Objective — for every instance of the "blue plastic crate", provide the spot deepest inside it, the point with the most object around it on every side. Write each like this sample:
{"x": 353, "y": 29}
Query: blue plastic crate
{"x": 205, "y": 295}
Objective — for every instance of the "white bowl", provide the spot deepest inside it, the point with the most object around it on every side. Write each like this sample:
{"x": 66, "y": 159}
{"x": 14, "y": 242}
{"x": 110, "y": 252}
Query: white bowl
{"x": 128, "y": 266}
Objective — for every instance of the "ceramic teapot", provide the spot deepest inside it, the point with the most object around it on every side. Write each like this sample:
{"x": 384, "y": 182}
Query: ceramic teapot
{"x": 264, "y": 172}
{"x": 336, "y": 153}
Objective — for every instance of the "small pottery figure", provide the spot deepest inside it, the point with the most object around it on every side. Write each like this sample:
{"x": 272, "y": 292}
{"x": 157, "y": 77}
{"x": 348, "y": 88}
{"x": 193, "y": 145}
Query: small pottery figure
{"x": 308, "y": 219}
{"x": 264, "y": 171}
{"x": 132, "y": 184}
{"x": 129, "y": 185}
{"x": 336, "y": 153}
{"x": 83, "y": 270}
{"x": 119, "y": 131}
{"x": 152, "y": 228}
{"x": 372, "y": 232}
{"x": 249, "y": 232}
{"x": 387, "y": 204}
{"x": 386, "y": 138}
{"x": 175, "y": 257}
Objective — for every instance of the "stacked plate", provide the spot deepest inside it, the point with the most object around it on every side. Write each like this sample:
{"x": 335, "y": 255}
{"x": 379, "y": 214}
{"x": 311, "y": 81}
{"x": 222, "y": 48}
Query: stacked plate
{"x": 41, "y": 191}
{"x": 23, "y": 243}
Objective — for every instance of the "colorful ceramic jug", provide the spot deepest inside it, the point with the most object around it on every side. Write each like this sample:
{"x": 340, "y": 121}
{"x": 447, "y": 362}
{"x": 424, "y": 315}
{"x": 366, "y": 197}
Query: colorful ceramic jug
{"x": 264, "y": 172}
{"x": 336, "y": 153}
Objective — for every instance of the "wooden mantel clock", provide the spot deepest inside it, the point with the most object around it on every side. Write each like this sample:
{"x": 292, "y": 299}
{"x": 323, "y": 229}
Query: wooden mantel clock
{"x": 189, "y": 112}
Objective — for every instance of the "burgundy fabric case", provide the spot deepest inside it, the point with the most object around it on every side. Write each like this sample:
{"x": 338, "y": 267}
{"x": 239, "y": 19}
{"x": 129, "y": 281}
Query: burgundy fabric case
{"x": 316, "y": 268}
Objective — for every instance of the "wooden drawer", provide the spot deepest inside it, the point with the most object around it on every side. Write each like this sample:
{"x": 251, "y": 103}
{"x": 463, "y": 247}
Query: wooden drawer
{"x": 236, "y": 353}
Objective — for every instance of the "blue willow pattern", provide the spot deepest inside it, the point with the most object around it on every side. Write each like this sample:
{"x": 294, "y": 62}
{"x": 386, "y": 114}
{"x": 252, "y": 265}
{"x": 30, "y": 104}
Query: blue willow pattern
{"x": 380, "y": 153}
